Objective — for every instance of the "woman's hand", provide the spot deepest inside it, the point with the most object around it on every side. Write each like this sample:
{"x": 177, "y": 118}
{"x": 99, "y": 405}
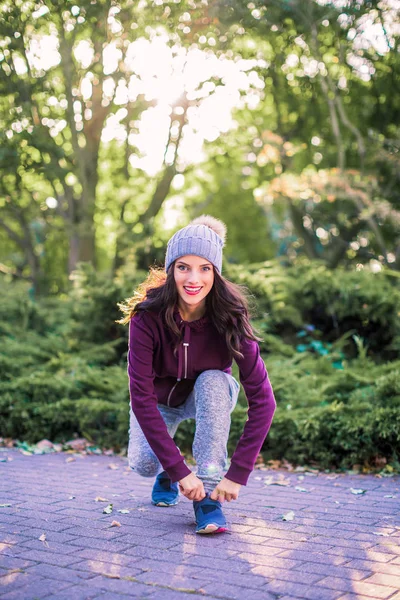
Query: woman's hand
{"x": 226, "y": 490}
{"x": 192, "y": 487}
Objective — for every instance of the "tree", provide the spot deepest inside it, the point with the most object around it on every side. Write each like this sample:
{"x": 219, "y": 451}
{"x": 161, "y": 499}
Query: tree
{"x": 320, "y": 75}
{"x": 63, "y": 106}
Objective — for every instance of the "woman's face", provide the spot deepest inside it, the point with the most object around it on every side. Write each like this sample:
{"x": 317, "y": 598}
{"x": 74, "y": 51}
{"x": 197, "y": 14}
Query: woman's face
{"x": 194, "y": 278}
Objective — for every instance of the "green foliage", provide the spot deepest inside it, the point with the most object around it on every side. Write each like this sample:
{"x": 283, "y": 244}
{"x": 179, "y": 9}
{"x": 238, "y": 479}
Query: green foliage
{"x": 289, "y": 181}
{"x": 336, "y": 418}
{"x": 336, "y": 303}
{"x": 63, "y": 363}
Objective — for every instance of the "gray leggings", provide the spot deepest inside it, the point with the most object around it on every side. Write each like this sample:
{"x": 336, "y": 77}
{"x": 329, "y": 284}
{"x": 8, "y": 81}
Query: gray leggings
{"x": 210, "y": 403}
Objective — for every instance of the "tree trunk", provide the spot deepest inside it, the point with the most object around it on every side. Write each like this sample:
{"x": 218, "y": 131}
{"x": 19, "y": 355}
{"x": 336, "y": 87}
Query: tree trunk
{"x": 296, "y": 216}
{"x": 82, "y": 227}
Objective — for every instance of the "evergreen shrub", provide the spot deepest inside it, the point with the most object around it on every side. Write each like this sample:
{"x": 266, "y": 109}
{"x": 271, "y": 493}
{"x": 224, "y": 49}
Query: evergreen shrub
{"x": 330, "y": 343}
{"x": 336, "y": 302}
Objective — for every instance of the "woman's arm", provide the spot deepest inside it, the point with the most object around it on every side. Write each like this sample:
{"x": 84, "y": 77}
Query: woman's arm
{"x": 262, "y": 405}
{"x": 144, "y": 400}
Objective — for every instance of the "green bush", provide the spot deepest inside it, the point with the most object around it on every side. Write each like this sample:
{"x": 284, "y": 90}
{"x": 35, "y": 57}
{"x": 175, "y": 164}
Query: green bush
{"x": 353, "y": 417}
{"x": 331, "y": 344}
{"x": 334, "y": 302}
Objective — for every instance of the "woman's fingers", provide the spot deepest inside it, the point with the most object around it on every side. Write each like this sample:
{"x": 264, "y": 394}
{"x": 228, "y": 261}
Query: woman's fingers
{"x": 200, "y": 494}
{"x": 192, "y": 488}
{"x": 195, "y": 494}
{"x": 225, "y": 496}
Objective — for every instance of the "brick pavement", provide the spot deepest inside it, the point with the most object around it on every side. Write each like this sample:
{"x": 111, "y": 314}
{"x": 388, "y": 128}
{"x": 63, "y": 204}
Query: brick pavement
{"x": 339, "y": 546}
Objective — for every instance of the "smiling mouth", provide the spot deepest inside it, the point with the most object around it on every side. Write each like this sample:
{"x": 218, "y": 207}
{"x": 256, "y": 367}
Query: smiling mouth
{"x": 192, "y": 291}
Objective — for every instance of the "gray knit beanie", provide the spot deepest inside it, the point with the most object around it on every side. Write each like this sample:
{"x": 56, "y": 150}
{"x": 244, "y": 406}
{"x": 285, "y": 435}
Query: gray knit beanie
{"x": 204, "y": 236}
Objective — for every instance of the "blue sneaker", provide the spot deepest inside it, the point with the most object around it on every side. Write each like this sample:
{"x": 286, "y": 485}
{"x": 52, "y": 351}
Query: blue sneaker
{"x": 165, "y": 493}
{"x": 209, "y": 516}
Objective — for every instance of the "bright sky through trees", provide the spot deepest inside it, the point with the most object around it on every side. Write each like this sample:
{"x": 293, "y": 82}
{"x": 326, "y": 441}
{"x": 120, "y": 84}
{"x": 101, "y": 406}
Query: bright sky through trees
{"x": 121, "y": 120}
{"x": 163, "y": 74}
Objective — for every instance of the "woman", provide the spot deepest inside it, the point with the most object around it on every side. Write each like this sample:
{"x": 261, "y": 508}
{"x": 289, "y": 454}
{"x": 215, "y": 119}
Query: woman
{"x": 185, "y": 327}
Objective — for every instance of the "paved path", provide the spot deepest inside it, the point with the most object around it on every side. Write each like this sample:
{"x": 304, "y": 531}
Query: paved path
{"x": 338, "y": 546}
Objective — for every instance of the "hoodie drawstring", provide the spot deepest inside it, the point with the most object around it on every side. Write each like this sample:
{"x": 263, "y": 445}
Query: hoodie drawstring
{"x": 183, "y": 353}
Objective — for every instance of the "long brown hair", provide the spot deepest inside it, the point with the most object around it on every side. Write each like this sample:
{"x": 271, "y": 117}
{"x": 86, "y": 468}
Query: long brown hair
{"x": 227, "y": 306}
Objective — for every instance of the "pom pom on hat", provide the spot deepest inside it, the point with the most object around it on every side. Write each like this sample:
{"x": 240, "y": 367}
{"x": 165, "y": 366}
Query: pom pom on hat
{"x": 215, "y": 224}
{"x": 204, "y": 236}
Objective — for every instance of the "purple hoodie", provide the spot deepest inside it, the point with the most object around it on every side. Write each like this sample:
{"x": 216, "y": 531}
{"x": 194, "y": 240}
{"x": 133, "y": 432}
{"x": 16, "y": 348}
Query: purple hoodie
{"x": 157, "y": 376}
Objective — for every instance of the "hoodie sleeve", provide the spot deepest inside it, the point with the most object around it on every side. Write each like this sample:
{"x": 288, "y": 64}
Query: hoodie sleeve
{"x": 262, "y": 405}
{"x": 144, "y": 400}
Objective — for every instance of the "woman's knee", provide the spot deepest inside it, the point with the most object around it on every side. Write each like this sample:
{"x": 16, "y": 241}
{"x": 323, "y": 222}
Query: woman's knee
{"x": 212, "y": 383}
{"x": 144, "y": 464}
{"x": 212, "y": 377}
{"x": 145, "y": 470}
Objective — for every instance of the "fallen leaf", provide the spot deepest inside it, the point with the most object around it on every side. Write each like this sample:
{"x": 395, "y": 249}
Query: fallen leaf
{"x": 113, "y": 466}
{"x": 115, "y": 524}
{"x": 289, "y": 516}
{"x": 112, "y": 575}
{"x": 70, "y": 459}
{"x": 44, "y": 444}
{"x": 123, "y": 511}
{"x": 79, "y": 444}
{"x": 42, "y": 538}
{"x": 287, "y": 465}
{"x": 100, "y": 499}
{"x": 282, "y": 480}
{"x": 274, "y": 464}
{"x": 108, "y": 509}
{"x": 357, "y": 491}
